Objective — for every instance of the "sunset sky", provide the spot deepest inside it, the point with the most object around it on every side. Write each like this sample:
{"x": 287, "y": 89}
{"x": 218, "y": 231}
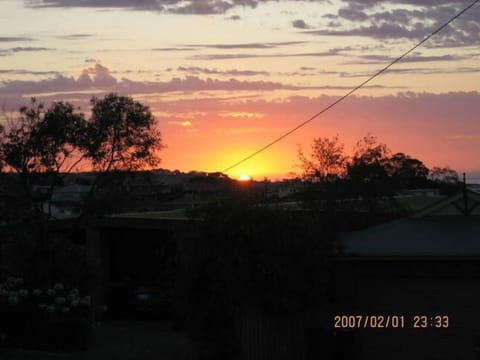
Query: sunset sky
{"x": 225, "y": 77}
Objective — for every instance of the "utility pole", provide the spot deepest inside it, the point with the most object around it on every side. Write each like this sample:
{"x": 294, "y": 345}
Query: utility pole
{"x": 465, "y": 196}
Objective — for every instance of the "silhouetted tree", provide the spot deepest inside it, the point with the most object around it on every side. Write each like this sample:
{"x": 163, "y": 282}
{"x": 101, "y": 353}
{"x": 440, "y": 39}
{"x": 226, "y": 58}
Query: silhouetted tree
{"x": 371, "y": 171}
{"x": 445, "y": 179}
{"x": 41, "y": 145}
{"x": 327, "y": 161}
{"x": 444, "y": 175}
{"x": 45, "y": 142}
{"x": 406, "y": 172}
{"x": 122, "y": 135}
{"x": 368, "y": 168}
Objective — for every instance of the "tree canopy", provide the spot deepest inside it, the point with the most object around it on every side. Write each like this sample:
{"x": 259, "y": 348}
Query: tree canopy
{"x": 43, "y": 144}
{"x": 327, "y": 161}
{"x": 121, "y": 135}
{"x": 371, "y": 170}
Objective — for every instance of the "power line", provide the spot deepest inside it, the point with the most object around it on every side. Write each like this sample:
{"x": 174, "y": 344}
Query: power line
{"x": 379, "y": 72}
{"x": 343, "y": 97}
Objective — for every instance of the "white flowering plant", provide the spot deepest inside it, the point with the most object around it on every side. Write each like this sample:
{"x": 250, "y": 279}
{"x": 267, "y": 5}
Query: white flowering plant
{"x": 58, "y": 297}
{"x": 29, "y": 314}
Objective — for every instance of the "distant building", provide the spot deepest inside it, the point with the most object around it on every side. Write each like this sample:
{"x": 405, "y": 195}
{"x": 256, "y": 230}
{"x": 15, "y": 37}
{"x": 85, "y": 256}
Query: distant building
{"x": 66, "y": 201}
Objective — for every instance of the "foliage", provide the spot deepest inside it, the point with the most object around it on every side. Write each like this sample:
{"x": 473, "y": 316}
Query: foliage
{"x": 41, "y": 145}
{"x": 55, "y": 300}
{"x": 444, "y": 175}
{"x": 367, "y": 170}
{"x": 38, "y": 317}
{"x": 42, "y": 140}
{"x": 407, "y": 172}
{"x": 327, "y": 161}
{"x": 122, "y": 135}
{"x": 446, "y": 179}
{"x": 370, "y": 172}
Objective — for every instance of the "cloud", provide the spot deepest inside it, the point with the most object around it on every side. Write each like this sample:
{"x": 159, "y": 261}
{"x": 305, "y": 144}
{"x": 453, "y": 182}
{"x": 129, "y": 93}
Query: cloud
{"x": 75, "y": 36}
{"x": 235, "y": 46}
{"x": 418, "y": 71}
{"x": 27, "y": 72}
{"x": 382, "y": 31}
{"x": 267, "y": 45}
{"x": 194, "y": 7}
{"x": 425, "y": 3}
{"x": 28, "y": 49}
{"x": 99, "y": 77}
{"x": 186, "y": 123}
{"x": 234, "y": 72}
{"x": 241, "y": 115}
{"x": 11, "y": 51}
{"x": 406, "y": 19}
{"x": 14, "y": 38}
{"x": 173, "y": 49}
{"x": 353, "y": 12}
{"x": 234, "y": 17}
{"x": 226, "y": 46}
{"x": 330, "y": 52}
{"x": 122, "y": 4}
{"x": 300, "y": 24}
{"x": 415, "y": 58}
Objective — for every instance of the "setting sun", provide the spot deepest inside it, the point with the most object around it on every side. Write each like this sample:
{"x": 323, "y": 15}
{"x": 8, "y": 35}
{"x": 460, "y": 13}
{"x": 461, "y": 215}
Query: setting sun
{"x": 244, "y": 177}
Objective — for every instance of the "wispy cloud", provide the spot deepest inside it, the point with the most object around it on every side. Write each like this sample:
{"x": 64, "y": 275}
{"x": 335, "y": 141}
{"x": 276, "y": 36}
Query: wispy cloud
{"x": 418, "y": 71}
{"x": 195, "y": 7}
{"x": 416, "y": 58}
{"x": 186, "y": 123}
{"x": 173, "y": 49}
{"x": 379, "y": 31}
{"x": 28, "y": 49}
{"x": 14, "y": 38}
{"x": 233, "y": 72}
{"x": 27, "y": 72}
{"x": 239, "y": 46}
{"x": 266, "y": 45}
{"x": 331, "y": 52}
{"x": 75, "y": 36}
{"x": 12, "y": 51}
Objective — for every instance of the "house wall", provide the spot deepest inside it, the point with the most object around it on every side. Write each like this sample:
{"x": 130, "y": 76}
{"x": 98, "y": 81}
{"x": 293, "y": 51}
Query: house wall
{"x": 410, "y": 288}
